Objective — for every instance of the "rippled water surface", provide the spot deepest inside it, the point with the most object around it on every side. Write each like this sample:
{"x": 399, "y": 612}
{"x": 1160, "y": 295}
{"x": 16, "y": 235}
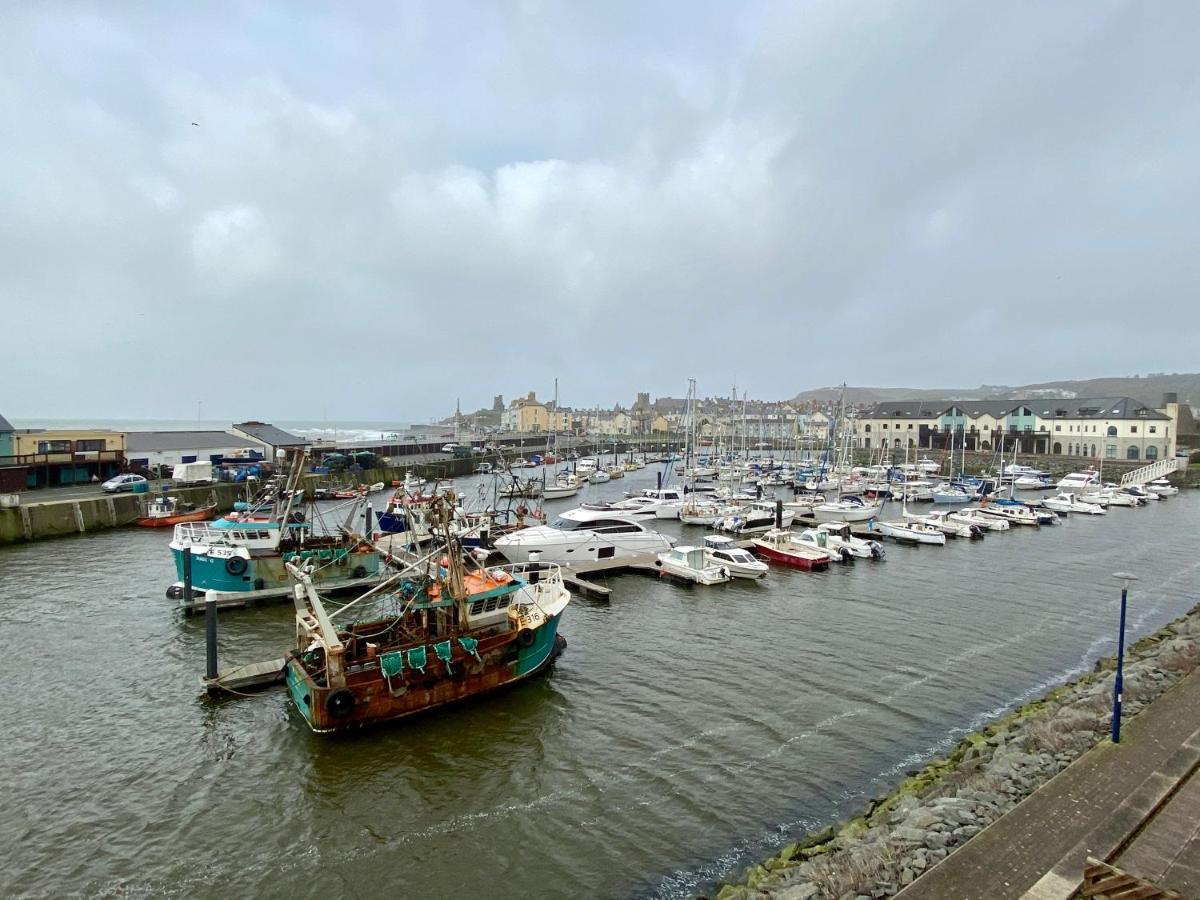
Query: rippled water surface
{"x": 684, "y": 733}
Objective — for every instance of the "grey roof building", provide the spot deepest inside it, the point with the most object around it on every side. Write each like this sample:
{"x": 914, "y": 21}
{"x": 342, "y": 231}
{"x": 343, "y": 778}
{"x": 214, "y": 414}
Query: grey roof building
{"x": 4, "y": 425}
{"x": 268, "y": 436}
{"x": 149, "y": 441}
{"x": 1094, "y": 408}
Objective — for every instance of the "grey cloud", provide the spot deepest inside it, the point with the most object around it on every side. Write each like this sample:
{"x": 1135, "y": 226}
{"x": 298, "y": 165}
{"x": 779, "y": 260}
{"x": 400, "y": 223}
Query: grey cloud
{"x": 384, "y": 208}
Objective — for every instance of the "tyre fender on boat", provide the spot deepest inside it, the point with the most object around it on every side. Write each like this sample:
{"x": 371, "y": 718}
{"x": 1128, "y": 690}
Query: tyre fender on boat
{"x": 340, "y": 703}
{"x": 235, "y": 565}
{"x": 359, "y": 572}
{"x": 525, "y": 638}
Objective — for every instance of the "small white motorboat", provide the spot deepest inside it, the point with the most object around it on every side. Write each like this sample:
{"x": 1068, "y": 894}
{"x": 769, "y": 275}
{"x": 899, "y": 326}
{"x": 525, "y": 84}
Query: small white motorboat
{"x": 978, "y": 517}
{"x": 599, "y": 476}
{"x": 691, "y": 564}
{"x": 722, "y": 551}
{"x": 1139, "y": 493}
{"x": 819, "y": 540}
{"x": 1069, "y": 502}
{"x": 1015, "y": 515}
{"x": 910, "y": 532}
{"x": 840, "y": 536}
{"x": 1162, "y": 487}
{"x": 1111, "y": 497}
{"x": 942, "y": 521}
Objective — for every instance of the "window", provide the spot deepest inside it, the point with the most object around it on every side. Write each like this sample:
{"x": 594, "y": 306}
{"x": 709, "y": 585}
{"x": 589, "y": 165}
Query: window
{"x": 1110, "y": 451}
{"x": 88, "y": 446}
{"x": 54, "y": 446}
{"x": 1131, "y": 453}
{"x": 910, "y": 427}
{"x": 1058, "y": 428}
{"x": 1112, "y": 431}
{"x": 867, "y": 429}
{"x": 885, "y": 426}
{"x": 1133, "y": 429}
{"x": 1154, "y": 429}
{"x": 1151, "y": 452}
{"x": 1057, "y": 448}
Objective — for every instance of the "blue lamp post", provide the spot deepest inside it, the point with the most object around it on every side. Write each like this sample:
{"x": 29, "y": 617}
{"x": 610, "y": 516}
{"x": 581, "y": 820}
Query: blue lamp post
{"x": 1124, "y": 578}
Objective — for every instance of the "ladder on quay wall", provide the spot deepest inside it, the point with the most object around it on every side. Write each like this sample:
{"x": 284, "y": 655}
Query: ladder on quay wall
{"x": 1158, "y": 469}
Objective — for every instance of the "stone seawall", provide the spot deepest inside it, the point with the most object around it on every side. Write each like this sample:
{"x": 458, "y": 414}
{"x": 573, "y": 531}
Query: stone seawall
{"x": 57, "y": 518}
{"x": 936, "y": 809}
{"x": 34, "y": 521}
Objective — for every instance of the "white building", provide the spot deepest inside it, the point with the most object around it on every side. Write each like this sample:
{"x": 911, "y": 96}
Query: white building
{"x": 168, "y": 448}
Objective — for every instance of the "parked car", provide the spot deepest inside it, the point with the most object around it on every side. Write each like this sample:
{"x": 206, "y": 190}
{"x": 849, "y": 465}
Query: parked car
{"x": 122, "y": 483}
{"x": 449, "y": 448}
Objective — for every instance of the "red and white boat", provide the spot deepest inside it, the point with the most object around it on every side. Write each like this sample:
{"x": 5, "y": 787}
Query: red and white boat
{"x": 165, "y": 511}
{"x": 777, "y": 546}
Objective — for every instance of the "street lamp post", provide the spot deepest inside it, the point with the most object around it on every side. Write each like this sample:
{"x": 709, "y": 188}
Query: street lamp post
{"x": 1124, "y": 578}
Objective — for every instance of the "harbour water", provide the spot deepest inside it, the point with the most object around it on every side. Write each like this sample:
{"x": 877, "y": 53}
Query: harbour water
{"x": 686, "y": 732}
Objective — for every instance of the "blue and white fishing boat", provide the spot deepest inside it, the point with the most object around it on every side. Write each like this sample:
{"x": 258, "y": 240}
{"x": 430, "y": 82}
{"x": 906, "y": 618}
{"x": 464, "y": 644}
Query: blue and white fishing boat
{"x": 246, "y": 553}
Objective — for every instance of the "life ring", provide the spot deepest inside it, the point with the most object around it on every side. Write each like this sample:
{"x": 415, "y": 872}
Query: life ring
{"x": 359, "y": 572}
{"x": 525, "y": 638}
{"x": 340, "y": 703}
{"x": 235, "y": 565}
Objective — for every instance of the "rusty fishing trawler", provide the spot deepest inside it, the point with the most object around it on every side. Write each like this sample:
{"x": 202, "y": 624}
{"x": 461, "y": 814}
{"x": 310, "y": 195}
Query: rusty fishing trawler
{"x": 443, "y": 628}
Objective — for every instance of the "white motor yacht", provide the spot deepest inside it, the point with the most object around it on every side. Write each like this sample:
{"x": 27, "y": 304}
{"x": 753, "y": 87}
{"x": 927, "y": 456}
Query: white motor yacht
{"x": 666, "y": 502}
{"x": 692, "y": 564}
{"x": 1079, "y": 481}
{"x": 1068, "y": 502}
{"x": 722, "y": 551}
{"x": 582, "y": 536}
{"x": 755, "y": 518}
{"x": 599, "y": 476}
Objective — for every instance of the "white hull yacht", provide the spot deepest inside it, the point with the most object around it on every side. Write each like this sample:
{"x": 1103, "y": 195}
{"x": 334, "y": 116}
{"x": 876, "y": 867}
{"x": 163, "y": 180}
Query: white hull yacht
{"x": 847, "y": 509}
{"x": 583, "y": 536}
{"x": 1067, "y": 502}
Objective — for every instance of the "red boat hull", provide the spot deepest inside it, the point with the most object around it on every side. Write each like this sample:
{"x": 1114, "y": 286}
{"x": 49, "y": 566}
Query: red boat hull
{"x": 197, "y": 515}
{"x": 795, "y": 561}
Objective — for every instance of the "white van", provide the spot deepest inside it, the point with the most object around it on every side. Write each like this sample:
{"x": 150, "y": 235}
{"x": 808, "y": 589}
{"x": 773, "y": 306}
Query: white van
{"x": 193, "y": 473}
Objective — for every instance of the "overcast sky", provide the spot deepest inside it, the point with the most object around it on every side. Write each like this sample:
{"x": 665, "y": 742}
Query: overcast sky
{"x": 383, "y": 207}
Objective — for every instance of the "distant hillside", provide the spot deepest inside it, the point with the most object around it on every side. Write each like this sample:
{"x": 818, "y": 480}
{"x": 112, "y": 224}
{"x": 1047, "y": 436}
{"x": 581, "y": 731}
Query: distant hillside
{"x": 1147, "y": 388}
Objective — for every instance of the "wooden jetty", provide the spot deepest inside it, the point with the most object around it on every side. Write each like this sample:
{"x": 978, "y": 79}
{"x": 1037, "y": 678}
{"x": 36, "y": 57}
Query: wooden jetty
{"x": 247, "y": 678}
{"x": 572, "y": 575}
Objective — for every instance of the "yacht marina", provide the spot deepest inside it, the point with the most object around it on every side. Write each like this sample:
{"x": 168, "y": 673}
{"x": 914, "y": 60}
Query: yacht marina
{"x": 604, "y": 726}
